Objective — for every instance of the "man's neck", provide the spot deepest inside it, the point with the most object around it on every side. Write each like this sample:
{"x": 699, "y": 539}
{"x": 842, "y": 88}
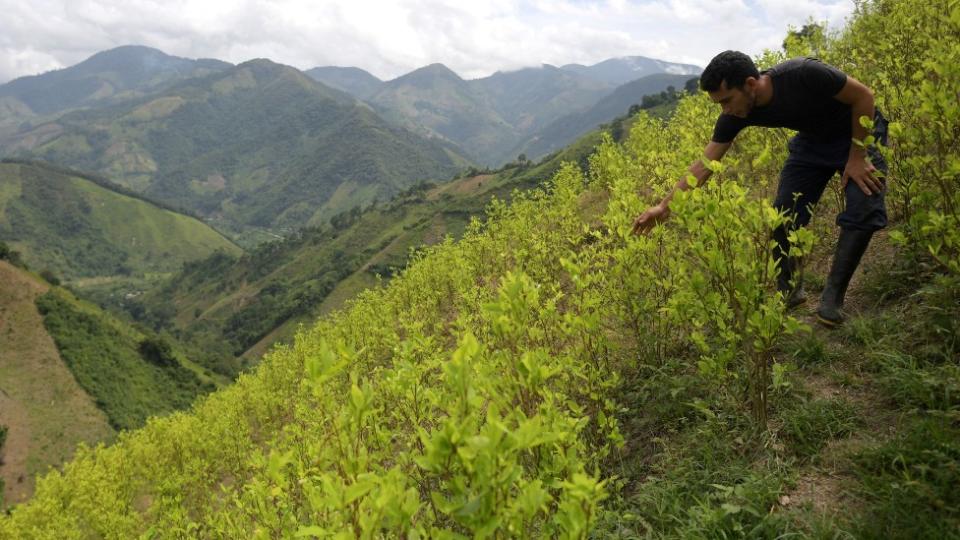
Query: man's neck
{"x": 764, "y": 90}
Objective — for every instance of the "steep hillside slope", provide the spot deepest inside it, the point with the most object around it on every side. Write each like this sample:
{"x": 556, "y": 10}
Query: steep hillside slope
{"x": 131, "y": 374}
{"x": 47, "y": 413}
{"x": 78, "y": 226}
{"x": 256, "y": 145}
{"x": 229, "y": 307}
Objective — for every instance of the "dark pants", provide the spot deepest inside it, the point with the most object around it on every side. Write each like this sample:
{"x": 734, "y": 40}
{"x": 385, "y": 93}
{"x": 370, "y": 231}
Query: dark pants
{"x": 812, "y": 163}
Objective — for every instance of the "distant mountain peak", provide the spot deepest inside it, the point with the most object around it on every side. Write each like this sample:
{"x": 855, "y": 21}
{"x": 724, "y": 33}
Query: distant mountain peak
{"x": 427, "y": 76}
{"x": 624, "y": 69}
{"x": 438, "y": 69}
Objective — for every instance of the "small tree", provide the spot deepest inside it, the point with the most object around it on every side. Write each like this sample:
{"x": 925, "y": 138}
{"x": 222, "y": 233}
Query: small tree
{"x": 157, "y": 351}
{"x": 50, "y": 277}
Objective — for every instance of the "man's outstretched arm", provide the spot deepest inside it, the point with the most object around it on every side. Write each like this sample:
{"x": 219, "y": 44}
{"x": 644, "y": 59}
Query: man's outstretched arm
{"x": 659, "y": 212}
{"x": 860, "y": 99}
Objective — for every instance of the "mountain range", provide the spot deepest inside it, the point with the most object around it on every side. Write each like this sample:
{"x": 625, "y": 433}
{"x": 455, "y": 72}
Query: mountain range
{"x": 260, "y": 148}
{"x": 495, "y": 118}
{"x": 258, "y": 144}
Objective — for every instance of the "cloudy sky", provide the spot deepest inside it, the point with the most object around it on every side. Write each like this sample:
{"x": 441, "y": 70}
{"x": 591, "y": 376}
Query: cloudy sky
{"x": 388, "y": 38}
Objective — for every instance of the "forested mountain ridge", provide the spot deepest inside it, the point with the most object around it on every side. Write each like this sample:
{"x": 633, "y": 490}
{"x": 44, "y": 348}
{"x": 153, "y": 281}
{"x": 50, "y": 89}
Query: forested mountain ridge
{"x": 74, "y": 226}
{"x": 258, "y": 144}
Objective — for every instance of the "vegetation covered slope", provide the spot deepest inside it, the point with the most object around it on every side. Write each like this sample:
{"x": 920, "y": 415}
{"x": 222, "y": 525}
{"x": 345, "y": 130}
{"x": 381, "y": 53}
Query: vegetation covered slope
{"x": 45, "y": 411}
{"x": 131, "y": 376}
{"x": 259, "y": 144}
{"x": 79, "y": 226}
{"x": 224, "y": 307}
{"x": 552, "y": 375}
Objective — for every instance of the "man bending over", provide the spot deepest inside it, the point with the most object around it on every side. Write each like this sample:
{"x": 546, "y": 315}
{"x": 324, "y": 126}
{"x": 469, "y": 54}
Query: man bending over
{"x": 824, "y": 106}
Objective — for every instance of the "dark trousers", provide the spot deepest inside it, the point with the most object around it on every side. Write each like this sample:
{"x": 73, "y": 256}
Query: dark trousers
{"x": 812, "y": 163}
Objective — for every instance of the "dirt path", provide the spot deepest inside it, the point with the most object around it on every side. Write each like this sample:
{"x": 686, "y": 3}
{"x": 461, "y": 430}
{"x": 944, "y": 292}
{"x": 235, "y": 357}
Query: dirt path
{"x": 46, "y": 411}
{"x": 824, "y": 485}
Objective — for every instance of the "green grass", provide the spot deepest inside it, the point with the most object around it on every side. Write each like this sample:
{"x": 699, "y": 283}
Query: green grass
{"x": 910, "y": 483}
{"x": 808, "y": 426}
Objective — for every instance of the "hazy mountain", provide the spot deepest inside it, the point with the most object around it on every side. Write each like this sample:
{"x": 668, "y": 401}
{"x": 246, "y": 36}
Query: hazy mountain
{"x": 437, "y": 102}
{"x": 80, "y": 226}
{"x": 122, "y": 72}
{"x": 351, "y": 80}
{"x": 568, "y": 128}
{"x": 490, "y": 118}
{"x": 617, "y": 71}
{"x": 257, "y": 144}
{"x": 530, "y": 98}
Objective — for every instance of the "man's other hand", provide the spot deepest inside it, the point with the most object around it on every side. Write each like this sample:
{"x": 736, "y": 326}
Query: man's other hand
{"x": 863, "y": 174}
{"x": 647, "y": 220}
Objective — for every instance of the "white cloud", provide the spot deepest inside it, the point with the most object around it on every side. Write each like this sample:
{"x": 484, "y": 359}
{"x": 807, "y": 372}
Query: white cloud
{"x": 391, "y": 38}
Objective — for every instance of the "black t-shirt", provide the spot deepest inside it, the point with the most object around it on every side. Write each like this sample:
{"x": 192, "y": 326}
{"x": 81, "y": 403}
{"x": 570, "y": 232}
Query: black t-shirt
{"x": 803, "y": 90}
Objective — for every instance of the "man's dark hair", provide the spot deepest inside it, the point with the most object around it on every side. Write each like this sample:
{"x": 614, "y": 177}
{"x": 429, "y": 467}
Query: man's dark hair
{"x": 732, "y": 67}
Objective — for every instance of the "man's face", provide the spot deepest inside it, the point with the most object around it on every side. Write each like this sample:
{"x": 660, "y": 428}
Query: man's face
{"x": 736, "y": 101}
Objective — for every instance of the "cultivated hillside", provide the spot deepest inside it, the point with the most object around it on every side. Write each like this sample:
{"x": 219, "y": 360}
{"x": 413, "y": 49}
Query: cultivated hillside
{"x": 81, "y": 226}
{"x": 553, "y": 375}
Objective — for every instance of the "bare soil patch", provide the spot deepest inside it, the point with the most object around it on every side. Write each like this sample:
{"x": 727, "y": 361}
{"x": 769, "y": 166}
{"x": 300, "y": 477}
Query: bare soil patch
{"x": 46, "y": 411}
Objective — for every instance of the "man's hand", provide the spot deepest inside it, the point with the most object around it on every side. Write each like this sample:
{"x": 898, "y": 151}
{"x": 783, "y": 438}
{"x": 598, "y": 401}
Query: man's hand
{"x": 653, "y": 216}
{"x": 863, "y": 174}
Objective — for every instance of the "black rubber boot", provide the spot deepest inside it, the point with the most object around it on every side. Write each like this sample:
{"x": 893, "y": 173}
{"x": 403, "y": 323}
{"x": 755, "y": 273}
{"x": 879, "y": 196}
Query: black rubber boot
{"x": 793, "y": 293}
{"x": 850, "y": 248}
